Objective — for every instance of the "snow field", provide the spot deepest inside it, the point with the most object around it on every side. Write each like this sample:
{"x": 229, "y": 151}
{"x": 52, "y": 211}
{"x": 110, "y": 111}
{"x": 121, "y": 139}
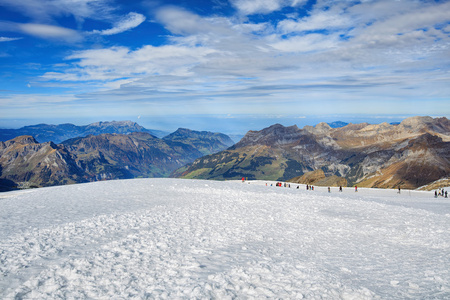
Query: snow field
{"x": 193, "y": 239}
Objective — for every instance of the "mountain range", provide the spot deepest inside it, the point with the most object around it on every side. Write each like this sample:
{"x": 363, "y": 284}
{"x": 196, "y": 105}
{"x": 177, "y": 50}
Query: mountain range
{"x": 24, "y": 162}
{"x": 59, "y": 133}
{"x": 411, "y": 154}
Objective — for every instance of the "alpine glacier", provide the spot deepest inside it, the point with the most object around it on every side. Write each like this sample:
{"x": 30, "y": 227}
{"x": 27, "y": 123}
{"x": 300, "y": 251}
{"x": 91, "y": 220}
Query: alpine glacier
{"x": 195, "y": 239}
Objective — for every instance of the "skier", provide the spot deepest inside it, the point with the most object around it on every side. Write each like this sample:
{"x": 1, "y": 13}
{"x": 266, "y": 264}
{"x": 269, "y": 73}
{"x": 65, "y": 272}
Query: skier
{"x": 329, "y": 190}
{"x": 356, "y": 188}
{"x": 435, "y": 194}
{"x": 399, "y": 190}
{"x": 340, "y": 188}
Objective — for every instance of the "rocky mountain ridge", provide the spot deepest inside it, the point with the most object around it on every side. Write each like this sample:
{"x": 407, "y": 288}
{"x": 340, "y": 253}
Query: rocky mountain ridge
{"x": 410, "y": 154}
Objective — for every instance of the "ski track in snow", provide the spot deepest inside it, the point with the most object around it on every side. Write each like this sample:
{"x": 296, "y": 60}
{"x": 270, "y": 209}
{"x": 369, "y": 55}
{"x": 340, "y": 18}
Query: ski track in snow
{"x": 194, "y": 239}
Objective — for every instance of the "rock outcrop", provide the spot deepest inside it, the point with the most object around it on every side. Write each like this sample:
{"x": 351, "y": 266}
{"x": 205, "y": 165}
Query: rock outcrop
{"x": 318, "y": 178}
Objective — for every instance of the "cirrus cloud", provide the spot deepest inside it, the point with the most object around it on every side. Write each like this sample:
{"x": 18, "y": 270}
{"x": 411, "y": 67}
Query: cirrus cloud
{"x": 43, "y": 11}
{"x": 8, "y": 39}
{"x": 128, "y": 22}
{"x": 50, "y": 32}
{"x": 43, "y": 31}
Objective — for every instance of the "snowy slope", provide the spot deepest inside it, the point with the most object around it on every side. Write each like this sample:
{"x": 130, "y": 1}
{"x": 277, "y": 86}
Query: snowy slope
{"x": 181, "y": 239}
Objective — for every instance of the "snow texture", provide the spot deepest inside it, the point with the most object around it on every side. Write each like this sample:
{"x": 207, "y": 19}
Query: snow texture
{"x": 195, "y": 239}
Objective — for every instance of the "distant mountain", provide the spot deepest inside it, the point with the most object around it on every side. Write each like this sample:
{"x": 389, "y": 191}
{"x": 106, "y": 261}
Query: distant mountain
{"x": 58, "y": 133}
{"x": 24, "y": 162}
{"x": 409, "y": 155}
{"x": 337, "y": 124}
{"x": 204, "y": 141}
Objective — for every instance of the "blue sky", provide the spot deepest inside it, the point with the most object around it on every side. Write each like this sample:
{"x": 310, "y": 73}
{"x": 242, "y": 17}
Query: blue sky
{"x": 222, "y": 65}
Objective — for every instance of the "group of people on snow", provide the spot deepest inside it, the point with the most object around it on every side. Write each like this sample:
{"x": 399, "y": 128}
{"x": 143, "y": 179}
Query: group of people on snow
{"x": 437, "y": 193}
{"x": 308, "y": 186}
{"x": 285, "y": 184}
{"x": 441, "y": 192}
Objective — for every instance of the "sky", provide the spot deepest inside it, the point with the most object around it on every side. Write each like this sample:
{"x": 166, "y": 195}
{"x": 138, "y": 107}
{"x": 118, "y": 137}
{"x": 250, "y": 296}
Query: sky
{"x": 222, "y": 65}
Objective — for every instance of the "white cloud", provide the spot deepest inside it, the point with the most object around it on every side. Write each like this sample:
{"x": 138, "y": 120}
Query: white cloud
{"x": 43, "y": 31}
{"x": 320, "y": 20}
{"x": 50, "y": 32}
{"x": 43, "y": 11}
{"x": 308, "y": 43}
{"x": 250, "y": 7}
{"x": 182, "y": 22}
{"x": 8, "y": 39}
{"x": 116, "y": 63}
{"x": 412, "y": 17}
{"x": 131, "y": 21}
